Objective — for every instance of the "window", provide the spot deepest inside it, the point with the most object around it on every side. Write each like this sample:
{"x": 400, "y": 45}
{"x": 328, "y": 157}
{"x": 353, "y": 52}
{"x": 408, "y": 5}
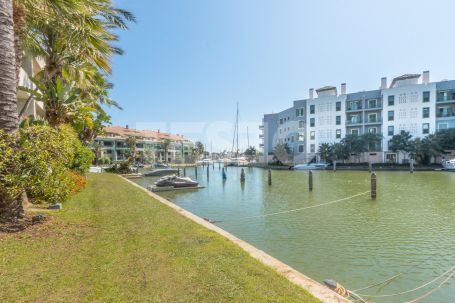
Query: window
{"x": 297, "y": 112}
{"x": 301, "y": 137}
{"x": 338, "y": 133}
{"x": 280, "y": 130}
{"x": 301, "y": 124}
{"x": 426, "y": 112}
{"x": 372, "y": 118}
{"x": 355, "y": 131}
{"x": 426, "y": 128}
{"x": 391, "y": 115}
{"x": 390, "y": 130}
{"x": 338, "y": 106}
{"x": 391, "y": 100}
{"x": 300, "y": 148}
{"x": 312, "y": 135}
{"x": 312, "y": 122}
{"x": 292, "y": 139}
{"x": 312, "y": 148}
{"x": 372, "y": 103}
{"x": 281, "y": 121}
{"x": 311, "y": 109}
{"x": 372, "y": 130}
{"x": 444, "y": 125}
{"x": 338, "y": 120}
{"x": 426, "y": 96}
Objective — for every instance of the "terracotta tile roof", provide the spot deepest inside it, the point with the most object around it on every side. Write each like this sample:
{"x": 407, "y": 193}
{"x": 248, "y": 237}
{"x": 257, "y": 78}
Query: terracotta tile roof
{"x": 325, "y": 88}
{"x": 149, "y": 134}
{"x": 404, "y": 77}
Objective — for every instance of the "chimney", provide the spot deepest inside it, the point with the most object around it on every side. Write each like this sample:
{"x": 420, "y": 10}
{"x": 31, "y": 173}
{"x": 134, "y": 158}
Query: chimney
{"x": 311, "y": 93}
{"x": 426, "y": 77}
{"x": 383, "y": 82}
{"x": 127, "y": 127}
{"x": 343, "y": 88}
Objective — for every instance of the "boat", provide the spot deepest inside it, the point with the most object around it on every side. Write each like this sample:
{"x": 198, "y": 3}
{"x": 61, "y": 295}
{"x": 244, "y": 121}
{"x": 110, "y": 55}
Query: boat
{"x": 311, "y": 166}
{"x": 176, "y": 182}
{"x": 161, "y": 172}
{"x": 240, "y": 161}
{"x": 161, "y": 165}
{"x": 205, "y": 162}
{"x": 448, "y": 164}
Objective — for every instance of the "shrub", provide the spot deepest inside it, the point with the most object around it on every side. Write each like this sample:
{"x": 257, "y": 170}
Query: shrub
{"x": 82, "y": 156}
{"x": 79, "y": 181}
{"x": 120, "y": 168}
{"x": 46, "y": 155}
{"x": 10, "y": 176}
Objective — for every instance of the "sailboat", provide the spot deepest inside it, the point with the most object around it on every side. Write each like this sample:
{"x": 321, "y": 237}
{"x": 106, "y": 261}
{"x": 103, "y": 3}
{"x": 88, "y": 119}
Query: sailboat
{"x": 236, "y": 160}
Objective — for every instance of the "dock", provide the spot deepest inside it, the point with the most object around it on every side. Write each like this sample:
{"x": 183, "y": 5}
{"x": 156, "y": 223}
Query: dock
{"x": 171, "y": 188}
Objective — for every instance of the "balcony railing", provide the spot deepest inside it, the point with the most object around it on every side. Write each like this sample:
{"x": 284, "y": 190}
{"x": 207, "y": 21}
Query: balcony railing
{"x": 354, "y": 107}
{"x": 375, "y": 120}
{"x": 373, "y": 106}
{"x": 446, "y": 99}
{"x": 354, "y": 122}
{"x": 445, "y": 114}
{"x": 261, "y": 136}
{"x": 261, "y": 126}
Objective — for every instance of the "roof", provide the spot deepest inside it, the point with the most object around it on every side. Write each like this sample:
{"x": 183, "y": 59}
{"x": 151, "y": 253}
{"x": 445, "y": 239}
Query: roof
{"x": 325, "y": 88}
{"x": 443, "y": 85}
{"x": 404, "y": 77}
{"x": 149, "y": 134}
{"x": 371, "y": 94}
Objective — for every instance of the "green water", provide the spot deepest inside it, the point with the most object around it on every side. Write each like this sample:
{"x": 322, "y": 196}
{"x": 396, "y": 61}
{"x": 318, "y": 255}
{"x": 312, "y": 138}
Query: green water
{"x": 409, "y": 229}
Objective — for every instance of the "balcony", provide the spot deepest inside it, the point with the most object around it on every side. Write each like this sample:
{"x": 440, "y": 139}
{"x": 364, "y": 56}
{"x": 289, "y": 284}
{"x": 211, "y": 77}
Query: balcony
{"x": 373, "y": 106}
{"x": 261, "y": 136}
{"x": 446, "y": 114}
{"x": 354, "y": 108}
{"x": 354, "y": 122}
{"x": 261, "y": 127}
{"x": 377, "y": 120}
{"x": 261, "y": 145}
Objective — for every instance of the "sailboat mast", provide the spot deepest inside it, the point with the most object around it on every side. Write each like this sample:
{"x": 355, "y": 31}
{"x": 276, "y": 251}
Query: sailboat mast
{"x": 237, "y": 129}
{"x": 248, "y": 137}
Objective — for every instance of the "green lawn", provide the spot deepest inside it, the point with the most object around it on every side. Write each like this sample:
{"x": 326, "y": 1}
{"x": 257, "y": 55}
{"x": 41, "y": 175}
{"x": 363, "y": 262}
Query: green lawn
{"x": 114, "y": 243}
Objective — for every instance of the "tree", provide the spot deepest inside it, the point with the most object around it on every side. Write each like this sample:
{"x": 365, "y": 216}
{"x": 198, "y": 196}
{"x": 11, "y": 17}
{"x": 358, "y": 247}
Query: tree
{"x": 132, "y": 150}
{"x": 166, "y": 145}
{"x": 97, "y": 151}
{"x": 8, "y": 79}
{"x": 325, "y": 152}
{"x": 251, "y": 153}
{"x": 282, "y": 154}
{"x": 198, "y": 150}
{"x": 339, "y": 152}
{"x": 371, "y": 141}
{"x": 354, "y": 144}
{"x": 149, "y": 154}
{"x": 401, "y": 143}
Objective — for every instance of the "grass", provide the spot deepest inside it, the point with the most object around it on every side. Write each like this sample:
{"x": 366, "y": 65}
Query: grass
{"x": 114, "y": 243}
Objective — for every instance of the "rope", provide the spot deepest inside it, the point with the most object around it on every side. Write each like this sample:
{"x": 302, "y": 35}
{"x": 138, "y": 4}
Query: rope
{"x": 378, "y": 283}
{"x": 297, "y": 209}
{"x": 433, "y": 290}
{"x": 412, "y": 290}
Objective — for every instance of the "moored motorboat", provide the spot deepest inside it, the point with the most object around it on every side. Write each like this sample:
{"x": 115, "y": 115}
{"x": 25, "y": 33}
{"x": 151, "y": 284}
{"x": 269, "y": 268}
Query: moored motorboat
{"x": 448, "y": 164}
{"x": 161, "y": 165}
{"x": 176, "y": 182}
{"x": 311, "y": 166}
{"x": 240, "y": 161}
{"x": 161, "y": 172}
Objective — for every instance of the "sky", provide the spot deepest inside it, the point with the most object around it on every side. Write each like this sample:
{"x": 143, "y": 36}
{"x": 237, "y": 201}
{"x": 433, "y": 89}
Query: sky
{"x": 187, "y": 63}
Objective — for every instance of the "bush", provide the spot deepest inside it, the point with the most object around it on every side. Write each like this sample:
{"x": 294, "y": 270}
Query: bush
{"x": 83, "y": 156}
{"x": 10, "y": 176}
{"x": 79, "y": 181}
{"x": 46, "y": 156}
{"x": 120, "y": 168}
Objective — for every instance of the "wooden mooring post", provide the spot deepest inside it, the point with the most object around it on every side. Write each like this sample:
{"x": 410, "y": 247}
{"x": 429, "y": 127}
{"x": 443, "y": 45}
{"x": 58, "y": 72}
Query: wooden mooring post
{"x": 370, "y": 167}
{"x": 207, "y": 172}
{"x": 334, "y": 166}
{"x": 242, "y": 176}
{"x": 184, "y": 171}
{"x": 373, "y": 186}
{"x": 310, "y": 180}
{"x": 178, "y": 171}
{"x": 223, "y": 174}
{"x": 270, "y": 177}
{"x": 195, "y": 171}
{"x": 411, "y": 166}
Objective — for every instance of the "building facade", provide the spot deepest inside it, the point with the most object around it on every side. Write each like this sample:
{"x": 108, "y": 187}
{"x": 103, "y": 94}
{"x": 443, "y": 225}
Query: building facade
{"x": 410, "y": 103}
{"x": 113, "y": 145}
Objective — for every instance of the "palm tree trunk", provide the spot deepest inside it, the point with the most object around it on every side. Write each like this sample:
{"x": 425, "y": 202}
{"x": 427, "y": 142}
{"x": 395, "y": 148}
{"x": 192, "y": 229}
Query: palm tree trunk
{"x": 8, "y": 78}
{"x": 19, "y": 13}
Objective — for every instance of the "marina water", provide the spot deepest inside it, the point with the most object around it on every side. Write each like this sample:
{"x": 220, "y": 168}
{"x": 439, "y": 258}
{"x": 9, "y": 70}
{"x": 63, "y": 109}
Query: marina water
{"x": 408, "y": 229}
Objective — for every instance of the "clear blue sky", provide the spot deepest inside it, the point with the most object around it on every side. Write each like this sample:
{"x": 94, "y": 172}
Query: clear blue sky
{"x": 187, "y": 63}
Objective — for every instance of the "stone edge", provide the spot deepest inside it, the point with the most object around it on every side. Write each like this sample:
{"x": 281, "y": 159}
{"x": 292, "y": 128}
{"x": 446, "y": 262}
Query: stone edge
{"x": 316, "y": 289}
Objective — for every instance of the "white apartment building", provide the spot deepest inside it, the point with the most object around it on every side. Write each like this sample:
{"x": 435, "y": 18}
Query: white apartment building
{"x": 410, "y": 103}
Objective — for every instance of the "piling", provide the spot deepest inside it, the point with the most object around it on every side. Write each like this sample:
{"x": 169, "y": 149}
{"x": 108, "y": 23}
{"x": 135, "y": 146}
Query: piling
{"x": 219, "y": 165}
{"x": 207, "y": 172}
{"x": 370, "y": 167}
{"x": 411, "y": 166}
{"x": 373, "y": 186}
{"x": 195, "y": 171}
{"x": 184, "y": 172}
{"x": 213, "y": 165}
{"x": 310, "y": 180}
{"x": 223, "y": 173}
{"x": 334, "y": 166}
{"x": 270, "y": 177}
{"x": 178, "y": 171}
{"x": 242, "y": 176}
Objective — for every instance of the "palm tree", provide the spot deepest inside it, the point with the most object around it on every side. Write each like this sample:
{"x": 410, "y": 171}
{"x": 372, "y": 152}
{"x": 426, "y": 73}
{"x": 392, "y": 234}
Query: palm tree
{"x": 166, "y": 146}
{"x": 8, "y": 78}
{"x": 401, "y": 143}
{"x": 282, "y": 154}
{"x": 325, "y": 152}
